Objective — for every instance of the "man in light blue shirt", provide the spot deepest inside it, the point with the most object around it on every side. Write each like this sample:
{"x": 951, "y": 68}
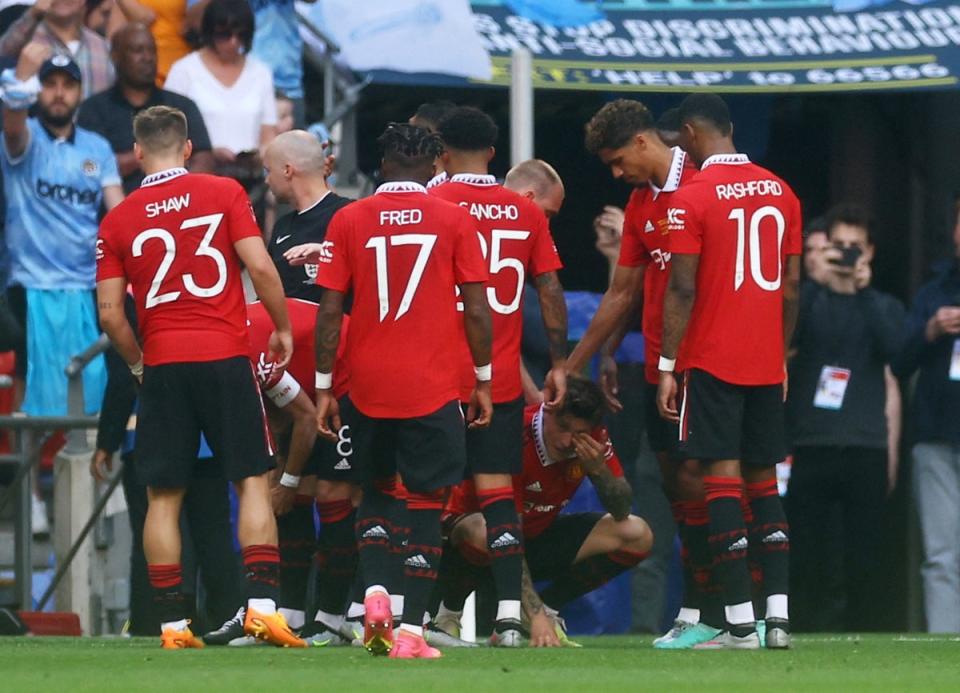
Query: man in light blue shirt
{"x": 277, "y": 42}
{"x": 56, "y": 177}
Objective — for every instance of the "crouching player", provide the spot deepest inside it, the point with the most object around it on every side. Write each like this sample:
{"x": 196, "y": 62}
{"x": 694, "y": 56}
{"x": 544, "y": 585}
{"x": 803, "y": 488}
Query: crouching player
{"x": 577, "y": 552}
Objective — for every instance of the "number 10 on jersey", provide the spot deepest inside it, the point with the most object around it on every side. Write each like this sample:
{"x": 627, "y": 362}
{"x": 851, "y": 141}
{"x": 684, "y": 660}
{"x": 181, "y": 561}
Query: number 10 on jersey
{"x": 748, "y": 234}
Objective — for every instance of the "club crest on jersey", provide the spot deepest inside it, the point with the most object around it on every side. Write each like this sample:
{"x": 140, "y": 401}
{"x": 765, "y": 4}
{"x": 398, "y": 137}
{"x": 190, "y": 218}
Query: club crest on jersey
{"x": 90, "y": 168}
{"x": 575, "y": 471}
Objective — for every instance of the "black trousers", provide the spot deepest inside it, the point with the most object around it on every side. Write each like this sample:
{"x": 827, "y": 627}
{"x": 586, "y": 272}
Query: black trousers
{"x": 207, "y": 547}
{"x": 835, "y": 506}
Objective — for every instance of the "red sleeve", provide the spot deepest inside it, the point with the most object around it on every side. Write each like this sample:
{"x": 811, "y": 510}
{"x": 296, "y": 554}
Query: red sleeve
{"x": 109, "y": 261}
{"x": 333, "y": 272}
{"x": 544, "y": 257}
{"x": 684, "y": 224}
{"x": 632, "y": 252}
{"x": 241, "y": 221}
{"x": 468, "y": 263}
{"x": 795, "y": 228}
{"x": 610, "y": 457}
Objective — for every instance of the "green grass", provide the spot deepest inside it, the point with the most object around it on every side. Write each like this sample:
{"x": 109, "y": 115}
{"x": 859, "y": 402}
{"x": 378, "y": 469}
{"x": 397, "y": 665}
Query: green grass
{"x": 874, "y": 662}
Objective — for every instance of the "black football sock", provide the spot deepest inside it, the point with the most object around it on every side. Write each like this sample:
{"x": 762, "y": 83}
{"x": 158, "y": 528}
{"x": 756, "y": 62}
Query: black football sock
{"x": 423, "y": 554}
{"x": 728, "y": 544}
{"x": 167, "y": 584}
{"x": 297, "y": 535}
{"x": 770, "y": 536}
{"x": 504, "y": 543}
{"x": 587, "y": 575}
{"x": 375, "y": 531}
{"x": 336, "y": 554}
{"x": 460, "y": 573}
{"x": 261, "y": 562}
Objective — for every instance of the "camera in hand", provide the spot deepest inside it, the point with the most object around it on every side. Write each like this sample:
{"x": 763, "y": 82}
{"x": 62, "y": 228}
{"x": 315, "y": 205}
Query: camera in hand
{"x": 848, "y": 255}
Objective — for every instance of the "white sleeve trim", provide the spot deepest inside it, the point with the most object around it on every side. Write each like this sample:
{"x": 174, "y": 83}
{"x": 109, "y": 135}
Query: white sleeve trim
{"x": 284, "y": 391}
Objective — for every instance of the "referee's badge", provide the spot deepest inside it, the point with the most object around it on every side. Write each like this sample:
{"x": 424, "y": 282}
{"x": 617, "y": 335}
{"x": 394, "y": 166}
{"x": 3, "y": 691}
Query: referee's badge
{"x": 91, "y": 168}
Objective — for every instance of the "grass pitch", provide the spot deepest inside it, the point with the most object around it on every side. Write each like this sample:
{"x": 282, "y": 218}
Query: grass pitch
{"x": 821, "y": 663}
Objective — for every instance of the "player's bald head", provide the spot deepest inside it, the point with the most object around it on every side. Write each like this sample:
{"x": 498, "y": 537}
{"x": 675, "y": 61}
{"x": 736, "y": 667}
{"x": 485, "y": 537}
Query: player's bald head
{"x": 298, "y": 149}
{"x": 538, "y": 180}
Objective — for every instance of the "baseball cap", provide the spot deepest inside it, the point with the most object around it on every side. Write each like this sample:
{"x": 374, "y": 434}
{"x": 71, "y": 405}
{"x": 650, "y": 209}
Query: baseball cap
{"x": 59, "y": 63}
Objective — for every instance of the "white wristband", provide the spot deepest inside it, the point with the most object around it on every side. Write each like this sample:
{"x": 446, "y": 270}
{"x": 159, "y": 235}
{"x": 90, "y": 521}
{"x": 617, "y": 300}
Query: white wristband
{"x": 484, "y": 373}
{"x": 289, "y": 480}
{"x": 666, "y": 365}
{"x": 324, "y": 381}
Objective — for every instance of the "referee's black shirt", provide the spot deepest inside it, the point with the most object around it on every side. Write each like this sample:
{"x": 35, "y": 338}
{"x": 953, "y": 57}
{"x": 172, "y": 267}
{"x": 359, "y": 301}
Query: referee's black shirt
{"x": 296, "y": 228}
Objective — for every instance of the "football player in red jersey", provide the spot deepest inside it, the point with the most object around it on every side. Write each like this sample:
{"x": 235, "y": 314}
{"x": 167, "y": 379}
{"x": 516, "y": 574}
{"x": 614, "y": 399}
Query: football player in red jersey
{"x": 625, "y": 137}
{"x": 516, "y": 239}
{"x": 577, "y": 552}
{"x": 179, "y": 241}
{"x": 735, "y": 240}
{"x": 403, "y": 254}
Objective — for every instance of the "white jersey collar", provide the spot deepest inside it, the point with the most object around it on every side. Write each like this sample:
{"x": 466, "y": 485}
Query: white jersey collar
{"x": 677, "y": 164}
{"x": 729, "y": 159}
{"x": 538, "y": 442}
{"x": 401, "y": 186}
{"x": 473, "y": 179}
{"x": 437, "y": 179}
{"x": 163, "y": 176}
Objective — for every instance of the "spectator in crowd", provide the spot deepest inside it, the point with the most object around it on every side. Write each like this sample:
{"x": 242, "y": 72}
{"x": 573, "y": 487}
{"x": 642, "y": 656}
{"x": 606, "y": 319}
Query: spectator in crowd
{"x": 277, "y": 44}
{"x": 96, "y": 15}
{"x": 815, "y": 243}
{"x": 58, "y": 26}
{"x": 932, "y": 346}
{"x": 846, "y": 334}
{"x": 234, "y": 92}
{"x": 285, "y": 114}
{"x": 56, "y": 177}
{"x": 110, "y": 113}
{"x": 167, "y": 20}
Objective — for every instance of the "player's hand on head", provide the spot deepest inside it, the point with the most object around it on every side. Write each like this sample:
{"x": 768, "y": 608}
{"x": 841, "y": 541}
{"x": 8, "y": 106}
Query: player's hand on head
{"x": 31, "y": 58}
{"x": 280, "y": 348}
{"x": 328, "y": 415}
{"x": 590, "y": 452}
{"x": 543, "y": 632}
{"x": 101, "y": 464}
{"x": 480, "y": 408}
{"x": 554, "y": 388}
{"x": 667, "y": 397}
{"x": 304, "y": 254}
{"x": 609, "y": 383}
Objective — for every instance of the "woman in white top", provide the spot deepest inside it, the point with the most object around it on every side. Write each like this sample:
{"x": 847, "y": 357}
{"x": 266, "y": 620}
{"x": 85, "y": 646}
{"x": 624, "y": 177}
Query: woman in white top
{"x": 233, "y": 90}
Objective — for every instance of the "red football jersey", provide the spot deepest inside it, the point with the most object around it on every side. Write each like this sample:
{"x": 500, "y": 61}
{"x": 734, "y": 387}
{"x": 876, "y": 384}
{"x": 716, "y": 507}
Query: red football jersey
{"x": 743, "y": 222}
{"x": 545, "y": 486}
{"x": 645, "y": 243}
{"x": 172, "y": 239}
{"x": 403, "y": 253}
{"x": 302, "y": 367}
{"x": 516, "y": 241}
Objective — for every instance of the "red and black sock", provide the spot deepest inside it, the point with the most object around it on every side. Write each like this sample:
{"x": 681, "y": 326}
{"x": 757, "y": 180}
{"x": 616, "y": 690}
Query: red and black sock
{"x": 589, "y": 574}
{"x": 336, "y": 554}
{"x": 423, "y": 553}
{"x": 504, "y": 540}
{"x": 167, "y": 583}
{"x": 376, "y": 535}
{"x": 261, "y": 563}
{"x": 770, "y": 536}
{"x": 728, "y": 543}
{"x": 298, "y": 538}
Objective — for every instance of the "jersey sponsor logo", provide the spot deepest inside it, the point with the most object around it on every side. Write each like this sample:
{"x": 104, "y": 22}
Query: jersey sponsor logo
{"x": 376, "y": 532}
{"x": 648, "y": 228}
{"x": 171, "y": 204}
{"x": 400, "y": 217}
{"x": 90, "y": 168}
{"x": 326, "y": 252}
{"x": 417, "y": 561}
{"x": 535, "y": 487}
{"x": 342, "y": 466}
{"x": 660, "y": 258}
{"x": 492, "y": 212}
{"x": 504, "y": 540}
{"x": 65, "y": 193}
{"x": 750, "y": 188}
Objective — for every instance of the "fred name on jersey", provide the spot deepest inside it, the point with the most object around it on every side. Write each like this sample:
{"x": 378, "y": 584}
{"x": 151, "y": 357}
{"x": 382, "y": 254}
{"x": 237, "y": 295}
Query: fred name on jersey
{"x": 400, "y": 217}
{"x": 171, "y": 204}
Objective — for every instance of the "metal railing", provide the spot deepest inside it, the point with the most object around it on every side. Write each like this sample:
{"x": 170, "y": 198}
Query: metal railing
{"x": 27, "y": 451}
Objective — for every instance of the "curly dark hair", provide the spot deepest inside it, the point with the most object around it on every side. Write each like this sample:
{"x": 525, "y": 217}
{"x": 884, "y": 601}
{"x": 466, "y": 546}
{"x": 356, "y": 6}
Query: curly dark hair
{"x": 584, "y": 400}
{"x": 613, "y": 125}
{"x": 468, "y": 129}
{"x": 408, "y": 146}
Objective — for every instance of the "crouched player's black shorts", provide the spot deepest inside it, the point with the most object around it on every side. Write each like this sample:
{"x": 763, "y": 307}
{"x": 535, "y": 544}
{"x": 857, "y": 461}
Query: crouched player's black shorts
{"x": 334, "y": 461}
{"x": 179, "y": 401}
{"x": 428, "y": 451}
{"x": 554, "y": 550}
{"x": 723, "y": 421}
{"x": 498, "y": 448}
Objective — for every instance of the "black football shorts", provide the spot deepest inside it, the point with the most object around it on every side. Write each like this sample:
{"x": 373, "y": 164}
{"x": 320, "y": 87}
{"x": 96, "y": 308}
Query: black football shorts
{"x": 723, "y": 421}
{"x": 498, "y": 448}
{"x": 662, "y": 434}
{"x": 179, "y": 401}
{"x": 555, "y": 549}
{"x": 334, "y": 461}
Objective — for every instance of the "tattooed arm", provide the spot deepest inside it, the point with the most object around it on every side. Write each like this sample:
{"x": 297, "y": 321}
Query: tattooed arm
{"x": 614, "y": 492}
{"x": 553, "y": 307}
{"x": 677, "y": 305}
{"x": 542, "y": 632}
{"x": 329, "y": 319}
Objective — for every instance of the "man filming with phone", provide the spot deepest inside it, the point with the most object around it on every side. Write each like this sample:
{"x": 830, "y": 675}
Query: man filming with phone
{"x": 847, "y": 333}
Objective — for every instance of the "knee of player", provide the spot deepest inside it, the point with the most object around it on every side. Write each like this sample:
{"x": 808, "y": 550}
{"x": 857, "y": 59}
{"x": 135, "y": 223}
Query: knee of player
{"x": 471, "y": 530}
{"x": 327, "y": 491}
{"x": 688, "y": 480}
{"x": 635, "y": 534}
